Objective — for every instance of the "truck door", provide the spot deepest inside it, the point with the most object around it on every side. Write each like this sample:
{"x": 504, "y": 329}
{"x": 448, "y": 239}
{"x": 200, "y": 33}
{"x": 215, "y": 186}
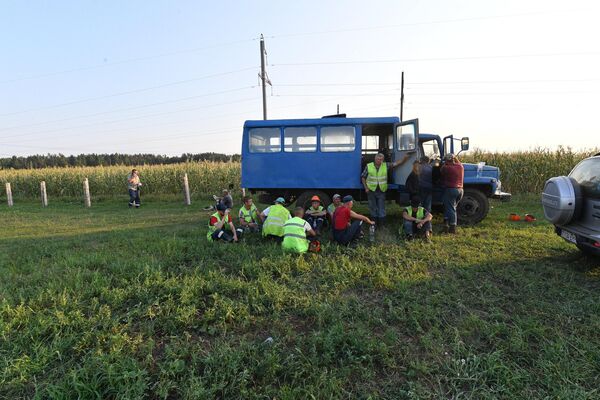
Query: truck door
{"x": 406, "y": 138}
{"x": 448, "y": 145}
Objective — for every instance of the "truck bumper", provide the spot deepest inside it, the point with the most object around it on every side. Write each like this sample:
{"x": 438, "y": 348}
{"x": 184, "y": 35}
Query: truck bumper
{"x": 503, "y": 196}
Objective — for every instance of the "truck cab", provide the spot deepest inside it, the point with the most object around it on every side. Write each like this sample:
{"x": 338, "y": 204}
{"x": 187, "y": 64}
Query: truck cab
{"x": 299, "y": 158}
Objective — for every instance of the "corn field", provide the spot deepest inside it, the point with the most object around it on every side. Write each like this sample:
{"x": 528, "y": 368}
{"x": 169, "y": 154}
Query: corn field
{"x": 522, "y": 172}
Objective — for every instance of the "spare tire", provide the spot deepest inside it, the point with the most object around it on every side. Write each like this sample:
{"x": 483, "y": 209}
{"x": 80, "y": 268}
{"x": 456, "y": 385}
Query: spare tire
{"x": 561, "y": 200}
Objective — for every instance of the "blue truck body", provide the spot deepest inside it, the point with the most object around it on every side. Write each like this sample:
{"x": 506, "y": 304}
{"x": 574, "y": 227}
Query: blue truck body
{"x": 296, "y": 158}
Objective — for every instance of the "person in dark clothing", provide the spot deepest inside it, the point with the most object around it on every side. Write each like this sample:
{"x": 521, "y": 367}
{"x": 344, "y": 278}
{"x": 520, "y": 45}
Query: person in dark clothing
{"x": 344, "y": 229}
{"x": 426, "y": 182}
{"x": 412, "y": 181}
{"x": 452, "y": 174}
{"x": 417, "y": 220}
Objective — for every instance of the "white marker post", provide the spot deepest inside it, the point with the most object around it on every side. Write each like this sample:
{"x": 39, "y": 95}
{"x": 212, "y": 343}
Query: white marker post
{"x": 44, "y": 195}
{"x": 9, "y": 194}
{"x": 86, "y": 193}
{"x": 186, "y": 191}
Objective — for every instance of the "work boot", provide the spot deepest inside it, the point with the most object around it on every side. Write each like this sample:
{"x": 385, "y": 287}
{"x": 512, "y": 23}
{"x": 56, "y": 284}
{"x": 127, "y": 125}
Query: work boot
{"x": 452, "y": 229}
{"x": 380, "y": 222}
{"x": 428, "y": 237}
{"x": 446, "y": 226}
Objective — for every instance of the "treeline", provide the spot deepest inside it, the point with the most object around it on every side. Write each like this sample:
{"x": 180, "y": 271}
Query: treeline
{"x": 94, "y": 160}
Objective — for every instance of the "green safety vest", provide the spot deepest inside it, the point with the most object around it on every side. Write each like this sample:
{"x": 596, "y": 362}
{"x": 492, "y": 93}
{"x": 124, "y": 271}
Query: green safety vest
{"x": 249, "y": 215}
{"x": 294, "y": 236}
{"x": 315, "y": 209}
{"x": 331, "y": 208}
{"x": 212, "y": 228}
{"x": 273, "y": 225}
{"x": 420, "y": 212}
{"x": 377, "y": 177}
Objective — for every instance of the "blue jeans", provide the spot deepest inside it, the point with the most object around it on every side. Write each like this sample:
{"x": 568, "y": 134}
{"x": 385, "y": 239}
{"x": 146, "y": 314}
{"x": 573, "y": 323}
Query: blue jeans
{"x": 376, "y": 203}
{"x": 452, "y": 197}
{"x": 349, "y": 234}
{"x": 410, "y": 228}
{"x": 134, "y": 198}
{"x": 426, "y": 198}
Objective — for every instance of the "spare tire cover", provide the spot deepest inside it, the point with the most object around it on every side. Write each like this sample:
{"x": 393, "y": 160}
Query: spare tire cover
{"x": 561, "y": 200}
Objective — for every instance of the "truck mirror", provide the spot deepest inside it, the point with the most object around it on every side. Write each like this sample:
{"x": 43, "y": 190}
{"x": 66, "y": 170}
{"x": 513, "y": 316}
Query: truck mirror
{"x": 464, "y": 144}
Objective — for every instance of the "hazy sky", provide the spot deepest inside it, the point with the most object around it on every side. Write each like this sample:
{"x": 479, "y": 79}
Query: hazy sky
{"x": 172, "y": 77}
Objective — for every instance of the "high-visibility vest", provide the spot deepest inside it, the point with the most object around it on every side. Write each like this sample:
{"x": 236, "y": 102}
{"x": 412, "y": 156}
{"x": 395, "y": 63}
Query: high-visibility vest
{"x": 212, "y": 228}
{"x": 377, "y": 177}
{"x": 294, "y": 236}
{"x": 249, "y": 215}
{"x": 420, "y": 212}
{"x": 320, "y": 208}
{"x": 273, "y": 225}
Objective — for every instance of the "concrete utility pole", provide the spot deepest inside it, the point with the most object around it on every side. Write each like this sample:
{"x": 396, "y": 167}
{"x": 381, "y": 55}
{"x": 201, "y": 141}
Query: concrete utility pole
{"x": 263, "y": 75}
{"x": 402, "y": 98}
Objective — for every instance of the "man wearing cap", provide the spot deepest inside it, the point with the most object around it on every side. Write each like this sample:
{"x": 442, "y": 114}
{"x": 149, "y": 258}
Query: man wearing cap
{"x": 452, "y": 176}
{"x": 315, "y": 214}
{"x": 274, "y": 217}
{"x": 249, "y": 215}
{"x": 417, "y": 220}
{"x": 336, "y": 202}
{"x": 345, "y": 230}
{"x": 374, "y": 179}
{"x": 294, "y": 233}
{"x": 220, "y": 226}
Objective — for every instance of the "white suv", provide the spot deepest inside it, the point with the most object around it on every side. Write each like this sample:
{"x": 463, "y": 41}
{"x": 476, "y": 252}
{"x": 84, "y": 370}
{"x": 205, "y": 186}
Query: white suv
{"x": 572, "y": 204}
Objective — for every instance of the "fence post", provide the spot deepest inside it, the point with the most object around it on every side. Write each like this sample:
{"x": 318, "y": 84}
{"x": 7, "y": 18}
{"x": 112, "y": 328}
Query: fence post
{"x": 186, "y": 191}
{"x": 43, "y": 193}
{"x": 9, "y": 194}
{"x": 86, "y": 193}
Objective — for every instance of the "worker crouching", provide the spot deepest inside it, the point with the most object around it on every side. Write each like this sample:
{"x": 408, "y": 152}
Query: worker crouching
{"x": 295, "y": 231}
{"x": 417, "y": 220}
{"x": 220, "y": 226}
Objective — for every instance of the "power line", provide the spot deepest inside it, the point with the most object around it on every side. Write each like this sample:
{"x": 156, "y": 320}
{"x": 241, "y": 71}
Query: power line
{"x": 435, "y": 82}
{"x": 129, "y": 92}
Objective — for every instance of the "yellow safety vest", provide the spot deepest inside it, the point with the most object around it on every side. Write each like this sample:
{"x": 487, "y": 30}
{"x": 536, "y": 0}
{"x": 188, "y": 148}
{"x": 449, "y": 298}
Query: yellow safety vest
{"x": 249, "y": 215}
{"x": 212, "y": 228}
{"x": 273, "y": 225}
{"x": 294, "y": 236}
{"x": 377, "y": 177}
{"x": 420, "y": 212}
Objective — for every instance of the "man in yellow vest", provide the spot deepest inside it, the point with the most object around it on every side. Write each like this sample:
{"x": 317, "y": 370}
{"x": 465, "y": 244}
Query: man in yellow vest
{"x": 417, "y": 220}
{"x": 294, "y": 233}
{"x": 375, "y": 181}
{"x": 249, "y": 216}
{"x": 274, "y": 217}
{"x": 220, "y": 226}
{"x": 316, "y": 214}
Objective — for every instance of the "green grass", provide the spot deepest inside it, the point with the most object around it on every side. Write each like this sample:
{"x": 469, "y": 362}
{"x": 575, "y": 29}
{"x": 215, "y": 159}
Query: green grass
{"x": 109, "y": 302}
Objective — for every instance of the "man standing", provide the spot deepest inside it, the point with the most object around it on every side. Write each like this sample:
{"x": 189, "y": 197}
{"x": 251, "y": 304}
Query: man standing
{"x": 417, "y": 220}
{"x": 274, "y": 217}
{"x": 220, "y": 226}
{"x": 133, "y": 185}
{"x": 344, "y": 232}
{"x": 452, "y": 174}
{"x": 249, "y": 215}
{"x": 315, "y": 215}
{"x": 294, "y": 233}
{"x": 426, "y": 182}
{"x": 374, "y": 180}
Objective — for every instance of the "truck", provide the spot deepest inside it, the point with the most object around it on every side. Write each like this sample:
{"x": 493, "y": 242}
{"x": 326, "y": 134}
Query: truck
{"x": 299, "y": 158}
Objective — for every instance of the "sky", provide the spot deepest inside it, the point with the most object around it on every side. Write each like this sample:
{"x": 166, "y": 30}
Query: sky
{"x": 171, "y": 77}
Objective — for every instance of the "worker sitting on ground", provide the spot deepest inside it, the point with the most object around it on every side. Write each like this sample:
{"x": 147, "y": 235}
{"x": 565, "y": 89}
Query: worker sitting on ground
{"x": 417, "y": 220}
{"x": 249, "y": 216}
{"x": 345, "y": 232}
{"x": 294, "y": 233}
{"x": 220, "y": 226}
{"x": 337, "y": 201}
{"x": 316, "y": 214}
{"x": 274, "y": 217}
{"x": 226, "y": 199}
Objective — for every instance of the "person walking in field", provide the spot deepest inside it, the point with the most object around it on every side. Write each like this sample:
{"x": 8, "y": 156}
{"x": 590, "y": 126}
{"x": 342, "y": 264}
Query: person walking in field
{"x": 452, "y": 175}
{"x": 345, "y": 230}
{"x": 133, "y": 186}
{"x": 375, "y": 181}
{"x": 294, "y": 233}
{"x": 220, "y": 226}
{"x": 274, "y": 217}
{"x": 417, "y": 220}
{"x": 249, "y": 216}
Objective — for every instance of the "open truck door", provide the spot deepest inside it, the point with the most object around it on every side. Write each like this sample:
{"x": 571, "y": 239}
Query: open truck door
{"x": 406, "y": 139}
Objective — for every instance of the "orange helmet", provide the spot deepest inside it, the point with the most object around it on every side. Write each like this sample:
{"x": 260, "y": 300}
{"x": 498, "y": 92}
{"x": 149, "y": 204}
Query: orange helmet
{"x": 315, "y": 198}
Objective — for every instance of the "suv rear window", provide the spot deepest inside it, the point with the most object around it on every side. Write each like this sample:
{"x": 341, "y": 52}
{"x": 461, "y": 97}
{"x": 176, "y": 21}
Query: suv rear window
{"x": 587, "y": 174}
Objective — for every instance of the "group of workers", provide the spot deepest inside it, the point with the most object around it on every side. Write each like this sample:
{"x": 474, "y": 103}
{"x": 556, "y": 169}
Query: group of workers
{"x": 298, "y": 231}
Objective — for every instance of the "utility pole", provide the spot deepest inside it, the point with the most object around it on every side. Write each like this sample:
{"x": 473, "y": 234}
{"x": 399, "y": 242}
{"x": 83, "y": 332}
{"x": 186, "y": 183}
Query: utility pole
{"x": 263, "y": 75}
{"x": 402, "y": 98}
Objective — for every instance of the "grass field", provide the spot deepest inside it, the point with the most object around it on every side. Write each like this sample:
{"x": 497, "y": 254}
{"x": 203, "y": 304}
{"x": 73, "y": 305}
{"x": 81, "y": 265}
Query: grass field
{"x": 109, "y": 302}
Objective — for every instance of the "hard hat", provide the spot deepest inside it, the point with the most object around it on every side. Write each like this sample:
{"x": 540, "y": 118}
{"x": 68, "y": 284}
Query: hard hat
{"x": 280, "y": 200}
{"x": 315, "y": 198}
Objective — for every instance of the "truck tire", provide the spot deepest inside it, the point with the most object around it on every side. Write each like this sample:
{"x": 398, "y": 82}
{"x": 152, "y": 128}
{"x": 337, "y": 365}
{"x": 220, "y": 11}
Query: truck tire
{"x": 304, "y": 199}
{"x": 473, "y": 207}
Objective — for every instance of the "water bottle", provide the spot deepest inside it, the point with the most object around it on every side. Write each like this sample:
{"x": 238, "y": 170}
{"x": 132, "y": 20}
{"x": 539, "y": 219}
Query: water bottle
{"x": 372, "y": 233}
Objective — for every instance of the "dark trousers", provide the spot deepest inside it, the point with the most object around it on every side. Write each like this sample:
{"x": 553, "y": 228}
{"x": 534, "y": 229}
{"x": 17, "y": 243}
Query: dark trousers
{"x": 426, "y": 198}
{"x": 134, "y": 198}
{"x": 452, "y": 196}
{"x": 225, "y": 235}
{"x": 349, "y": 234}
{"x": 315, "y": 222}
{"x": 410, "y": 228}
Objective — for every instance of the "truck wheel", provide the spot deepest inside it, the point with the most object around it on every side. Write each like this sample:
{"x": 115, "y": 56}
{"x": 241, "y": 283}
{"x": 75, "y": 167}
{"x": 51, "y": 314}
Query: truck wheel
{"x": 304, "y": 199}
{"x": 473, "y": 207}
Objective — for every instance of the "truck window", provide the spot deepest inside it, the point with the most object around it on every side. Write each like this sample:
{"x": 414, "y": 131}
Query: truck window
{"x": 370, "y": 144}
{"x": 296, "y": 139}
{"x": 337, "y": 138}
{"x": 587, "y": 174}
{"x": 406, "y": 137}
{"x": 431, "y": 149}
{"x": 265, "y": 140}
